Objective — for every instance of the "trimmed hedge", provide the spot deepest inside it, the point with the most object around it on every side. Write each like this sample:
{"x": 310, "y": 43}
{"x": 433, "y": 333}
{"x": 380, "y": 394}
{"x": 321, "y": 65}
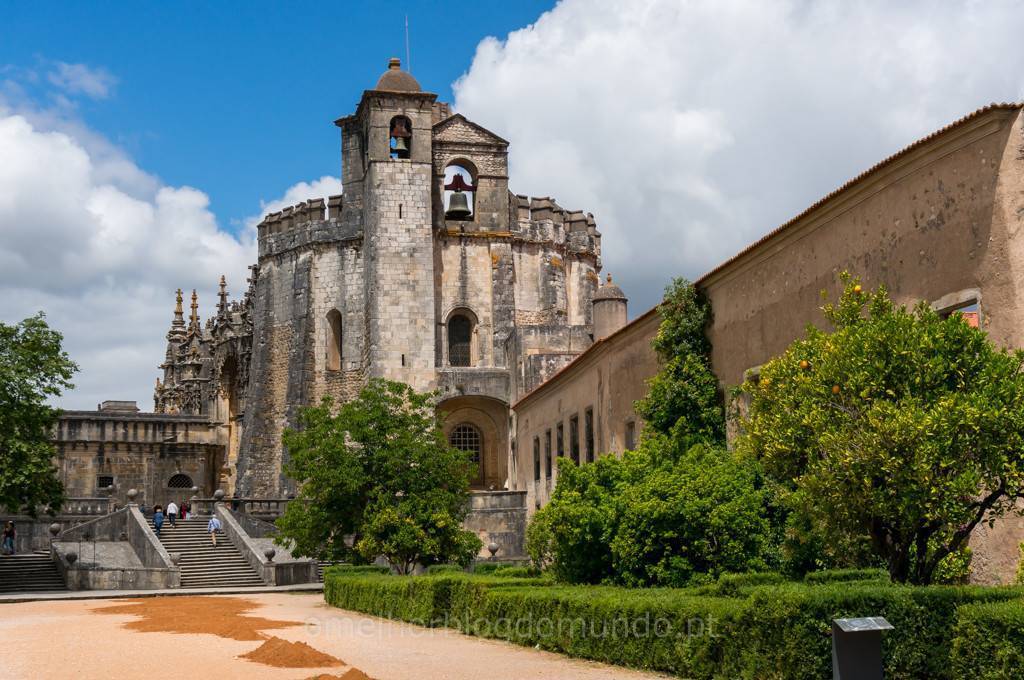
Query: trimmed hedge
{"x": 357, "y": 569}
{"x": 737, "y": 585}
{"x": 846, "y": 576}
{"x": 444, "y": 569}
{"x": 988, "y": 643}
{"x": 764, "y": 629}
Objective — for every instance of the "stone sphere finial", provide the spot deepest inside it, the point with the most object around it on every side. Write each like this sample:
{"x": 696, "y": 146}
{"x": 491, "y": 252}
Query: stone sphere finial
{"x": 218, "y": 495}
{"x": 54, "y": 529}
{"x": 132, "y": 493}
{"x": 269, "y": 553}
{"x": 195, "y": 490}
{"x": 493, "y": 548}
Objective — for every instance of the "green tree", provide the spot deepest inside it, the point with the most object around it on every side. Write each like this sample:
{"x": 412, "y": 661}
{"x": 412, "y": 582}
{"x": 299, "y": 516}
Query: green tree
{"x": 691, "y": 519}
{"x": 33, "y": 368}
{"x": 900, "y": 430}
{"x": 682, "y": 399}
{"x": 377, "y": 478}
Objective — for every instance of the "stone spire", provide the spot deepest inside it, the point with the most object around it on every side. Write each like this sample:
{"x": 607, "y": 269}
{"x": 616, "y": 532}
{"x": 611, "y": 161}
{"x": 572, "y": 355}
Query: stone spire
{"x": 179, "y": 317}
{"x": 177, "y": 331}
{"x": 222, "y": 306}
{"x": 193, "y": 319}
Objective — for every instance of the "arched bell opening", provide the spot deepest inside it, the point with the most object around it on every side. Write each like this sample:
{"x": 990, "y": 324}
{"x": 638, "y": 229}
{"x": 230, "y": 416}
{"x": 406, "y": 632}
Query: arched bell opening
{"x": 400, "y": 133}
{"x": 459, "y": 191}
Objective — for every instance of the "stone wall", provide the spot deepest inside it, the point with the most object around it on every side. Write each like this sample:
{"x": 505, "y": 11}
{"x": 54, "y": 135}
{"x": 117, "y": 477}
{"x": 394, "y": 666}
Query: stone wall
{"x": 137, "y": 450}
{"x": 499, "y": 517}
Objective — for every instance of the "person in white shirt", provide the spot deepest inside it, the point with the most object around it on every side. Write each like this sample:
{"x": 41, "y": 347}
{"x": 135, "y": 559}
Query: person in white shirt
{"x": 172, "y": 512}
{"x": 213, "y": 526}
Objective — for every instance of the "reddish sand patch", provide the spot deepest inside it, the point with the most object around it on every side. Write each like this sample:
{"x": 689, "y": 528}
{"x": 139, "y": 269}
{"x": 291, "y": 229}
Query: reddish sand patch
{"x": 284, "y": 654}
{"x": 351, "y": 674}
{"x": 220, "y": 616}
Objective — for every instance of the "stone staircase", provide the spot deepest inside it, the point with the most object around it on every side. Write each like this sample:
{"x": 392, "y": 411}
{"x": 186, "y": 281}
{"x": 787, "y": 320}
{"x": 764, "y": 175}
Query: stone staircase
{"x": 31, "y": 572}
{"x": 202, "y": 565}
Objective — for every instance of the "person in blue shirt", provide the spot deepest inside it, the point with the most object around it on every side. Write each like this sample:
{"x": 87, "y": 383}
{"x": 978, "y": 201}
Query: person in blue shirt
{"x": 213, "y": 526}
{"x": 158, "y": 519}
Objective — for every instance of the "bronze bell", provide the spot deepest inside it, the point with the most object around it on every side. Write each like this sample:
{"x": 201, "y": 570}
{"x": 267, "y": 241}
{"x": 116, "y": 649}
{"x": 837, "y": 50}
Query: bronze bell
{"x": 401, "y": 148}
{"x": 458, "y": 207}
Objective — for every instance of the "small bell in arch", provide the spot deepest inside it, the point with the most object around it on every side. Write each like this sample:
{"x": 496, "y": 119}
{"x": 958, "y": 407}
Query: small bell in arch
{"x": 400, "y": 136}
{"x": 458, "y": 205}
{"x": 400, "y": 148}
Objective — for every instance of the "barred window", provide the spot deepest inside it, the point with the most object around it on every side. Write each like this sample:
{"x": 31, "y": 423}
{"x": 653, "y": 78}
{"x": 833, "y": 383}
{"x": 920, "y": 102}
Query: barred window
{"x": 589, "y": 434}
{"x": 460, "y": 334}
{"x": 179, "y": 481}
{"x": 104, "y": 481}
{"x": 467, "y": 438}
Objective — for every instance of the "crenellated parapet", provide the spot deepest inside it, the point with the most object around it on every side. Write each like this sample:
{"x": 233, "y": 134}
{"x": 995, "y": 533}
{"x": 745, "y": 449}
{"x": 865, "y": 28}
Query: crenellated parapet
{"x": 541, "y": 219}
{"x": 305, "y": 225}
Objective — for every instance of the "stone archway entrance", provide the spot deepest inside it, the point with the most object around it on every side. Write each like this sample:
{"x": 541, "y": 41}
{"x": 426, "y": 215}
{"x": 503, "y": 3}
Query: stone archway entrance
{"x": 479, "y": 425}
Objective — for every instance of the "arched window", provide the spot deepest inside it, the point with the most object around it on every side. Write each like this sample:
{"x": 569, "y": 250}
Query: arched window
{"x": 460, "y": 340}
{"x": 179, "y": 481}
{"x": 334, "y": 340}
{"x": 459, "y": 191}
{"x": 467, "y": 438}
{"x": 400, "y": 137}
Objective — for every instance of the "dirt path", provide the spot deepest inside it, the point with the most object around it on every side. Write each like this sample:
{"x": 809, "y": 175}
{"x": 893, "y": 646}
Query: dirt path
{"x": 68, "y": 639}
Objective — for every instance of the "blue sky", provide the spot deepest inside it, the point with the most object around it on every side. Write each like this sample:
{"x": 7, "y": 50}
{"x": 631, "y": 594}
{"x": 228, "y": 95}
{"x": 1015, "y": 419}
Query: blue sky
{"x": 238, "y": 98}
{"x": 140, "y": 142}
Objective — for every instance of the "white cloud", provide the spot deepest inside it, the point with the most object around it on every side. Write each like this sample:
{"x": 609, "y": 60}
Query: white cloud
{"x": 100, "y": 245}
{"x": 690, "y": 129}
{"x": 81, "y": 79}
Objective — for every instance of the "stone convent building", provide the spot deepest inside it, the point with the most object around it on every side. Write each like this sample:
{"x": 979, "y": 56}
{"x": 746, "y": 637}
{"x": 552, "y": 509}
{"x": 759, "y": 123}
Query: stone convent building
{"x": 426, "y": 269}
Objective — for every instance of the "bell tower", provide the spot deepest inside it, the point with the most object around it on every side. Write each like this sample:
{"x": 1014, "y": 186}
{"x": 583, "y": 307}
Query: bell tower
{"x": 387, "y": 175}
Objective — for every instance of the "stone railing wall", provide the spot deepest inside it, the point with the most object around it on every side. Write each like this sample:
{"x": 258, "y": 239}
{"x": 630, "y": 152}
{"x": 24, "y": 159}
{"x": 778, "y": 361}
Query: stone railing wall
{"x": 280, "y": 569}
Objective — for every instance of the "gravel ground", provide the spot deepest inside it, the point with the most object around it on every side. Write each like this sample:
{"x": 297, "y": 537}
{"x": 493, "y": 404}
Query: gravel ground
{"x": 66, "y": 639}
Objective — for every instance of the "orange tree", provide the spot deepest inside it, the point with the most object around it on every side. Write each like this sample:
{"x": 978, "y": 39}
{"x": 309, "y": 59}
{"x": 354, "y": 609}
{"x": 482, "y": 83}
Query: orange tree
{"x": 900, "y": 429}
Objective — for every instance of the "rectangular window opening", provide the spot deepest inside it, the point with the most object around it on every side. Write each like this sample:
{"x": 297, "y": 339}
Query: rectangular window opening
{"x": 588, "y": 434}
{"x": 574, "y": 439}
{"x": 630, "y": 435}
{"x": 547, "y": 454}
{"x": 536, "y": 459}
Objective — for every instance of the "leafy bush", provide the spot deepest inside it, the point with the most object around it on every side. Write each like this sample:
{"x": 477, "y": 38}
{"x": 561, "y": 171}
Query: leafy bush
{"x": 657, "y": 516}
{"x": 688, "y": 519}
{"x": 988, "y": 641}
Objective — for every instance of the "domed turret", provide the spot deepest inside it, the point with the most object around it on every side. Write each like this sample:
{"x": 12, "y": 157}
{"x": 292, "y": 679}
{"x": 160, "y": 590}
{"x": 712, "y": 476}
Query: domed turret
{"x": 397, "y": 80}
{"x": 610, "y": 309}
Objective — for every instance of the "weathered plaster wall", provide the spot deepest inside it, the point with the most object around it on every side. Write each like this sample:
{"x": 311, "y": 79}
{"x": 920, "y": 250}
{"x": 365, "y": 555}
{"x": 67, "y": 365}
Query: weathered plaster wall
{"x": 941, "y": 218}
{"x": 607, "y": 379}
